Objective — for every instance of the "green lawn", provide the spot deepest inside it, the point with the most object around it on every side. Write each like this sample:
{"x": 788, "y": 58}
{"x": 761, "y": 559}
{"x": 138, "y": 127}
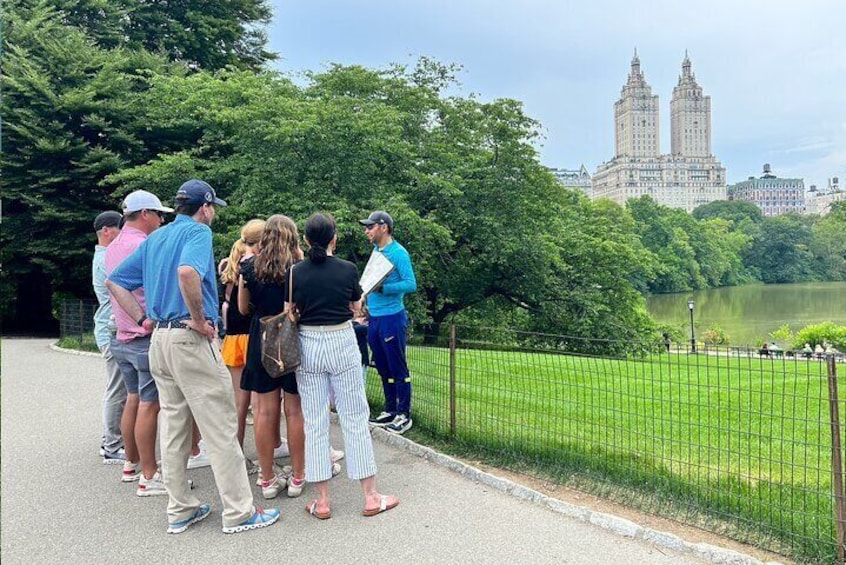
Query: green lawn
{"x": 83, "y": 342}
{"x": 740, "y": 446}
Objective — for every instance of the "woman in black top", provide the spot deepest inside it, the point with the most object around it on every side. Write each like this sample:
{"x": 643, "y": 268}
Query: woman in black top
{"x": 262, "y": 286}
{"x": 326, "y": 294}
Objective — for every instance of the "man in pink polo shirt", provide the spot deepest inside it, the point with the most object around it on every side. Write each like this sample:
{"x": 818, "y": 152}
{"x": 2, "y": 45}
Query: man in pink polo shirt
{"x": 143, "y": 213}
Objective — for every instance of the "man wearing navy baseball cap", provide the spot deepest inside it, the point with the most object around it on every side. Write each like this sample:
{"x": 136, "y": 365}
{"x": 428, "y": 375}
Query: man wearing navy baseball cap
{"x": 386, "y": 332}
{"x": 176, "y": 266}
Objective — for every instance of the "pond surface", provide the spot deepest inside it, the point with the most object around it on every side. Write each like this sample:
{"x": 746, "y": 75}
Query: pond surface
{"x": 749, "y": 313}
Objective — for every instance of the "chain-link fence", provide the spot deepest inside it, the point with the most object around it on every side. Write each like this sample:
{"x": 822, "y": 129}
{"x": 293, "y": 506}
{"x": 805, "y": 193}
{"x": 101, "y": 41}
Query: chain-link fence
{"x": 730, "y": 440}
{"x": 76, "y": 324}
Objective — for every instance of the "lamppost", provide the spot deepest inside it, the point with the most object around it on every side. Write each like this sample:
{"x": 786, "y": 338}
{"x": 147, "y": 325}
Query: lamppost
{"x": 692, "y": 335}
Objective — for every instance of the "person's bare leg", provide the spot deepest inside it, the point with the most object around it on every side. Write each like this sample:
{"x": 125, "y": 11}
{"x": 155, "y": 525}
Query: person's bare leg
{"x": 127, "y": 427}
{"x": 242, "y": 401}
{"x": 278, "y": 438}
{"x": 267, "y": 429}
{"x": 372, "y": 497}
{"x": 295, "y": 426}
{"x": 146, "y": 426}
{"x": 322, "y": 499}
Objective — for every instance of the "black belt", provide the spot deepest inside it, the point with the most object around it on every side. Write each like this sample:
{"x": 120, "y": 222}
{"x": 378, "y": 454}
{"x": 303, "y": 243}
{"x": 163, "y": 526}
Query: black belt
{"x": 179, "y": 324}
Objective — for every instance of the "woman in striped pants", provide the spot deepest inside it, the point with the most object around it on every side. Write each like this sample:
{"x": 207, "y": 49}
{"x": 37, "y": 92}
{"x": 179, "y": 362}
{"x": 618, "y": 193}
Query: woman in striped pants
{"x": 327, "y": 294}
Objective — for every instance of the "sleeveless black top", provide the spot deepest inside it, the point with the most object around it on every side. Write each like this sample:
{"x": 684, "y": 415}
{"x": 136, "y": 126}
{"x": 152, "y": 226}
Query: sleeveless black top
{"x": 236, "y": 324}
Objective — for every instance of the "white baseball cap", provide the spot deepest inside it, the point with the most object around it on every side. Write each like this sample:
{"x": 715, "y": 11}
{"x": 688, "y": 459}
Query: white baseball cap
{"x": 143, "y": 200}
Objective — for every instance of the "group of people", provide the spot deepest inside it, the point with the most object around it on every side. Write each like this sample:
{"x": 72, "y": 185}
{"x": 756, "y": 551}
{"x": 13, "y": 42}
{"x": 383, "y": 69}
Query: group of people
{"x": 169, "y": 378}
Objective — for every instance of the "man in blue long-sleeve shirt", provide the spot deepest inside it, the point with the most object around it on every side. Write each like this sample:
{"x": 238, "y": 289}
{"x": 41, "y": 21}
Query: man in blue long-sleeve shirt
{"x": 388, "y": 322}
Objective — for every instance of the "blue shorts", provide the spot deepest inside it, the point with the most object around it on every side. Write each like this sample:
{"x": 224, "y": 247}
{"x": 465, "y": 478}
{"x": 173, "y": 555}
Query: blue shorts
{"x": 134, "y": 363}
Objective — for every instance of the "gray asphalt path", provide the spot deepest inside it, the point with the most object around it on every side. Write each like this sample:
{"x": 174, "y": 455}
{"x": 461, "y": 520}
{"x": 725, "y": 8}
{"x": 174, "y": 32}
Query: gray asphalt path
{"x": 61, "y": 505}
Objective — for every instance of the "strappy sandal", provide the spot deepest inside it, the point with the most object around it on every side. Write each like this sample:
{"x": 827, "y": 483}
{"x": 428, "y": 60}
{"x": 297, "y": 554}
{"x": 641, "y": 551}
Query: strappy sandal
{"x": 384, "y": 506}
{"x": 312, "y": 509}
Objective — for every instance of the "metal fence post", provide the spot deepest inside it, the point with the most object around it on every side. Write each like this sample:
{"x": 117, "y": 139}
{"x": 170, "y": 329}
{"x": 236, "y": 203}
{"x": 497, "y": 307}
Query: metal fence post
{"x": 452, "y": 380}
{"x": 81, "y": 325}
{"x": 836, "y": 459}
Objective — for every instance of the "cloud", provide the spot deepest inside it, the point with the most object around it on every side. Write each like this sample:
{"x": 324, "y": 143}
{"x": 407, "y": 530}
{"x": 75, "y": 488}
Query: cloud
{"x": 776, "y": 71}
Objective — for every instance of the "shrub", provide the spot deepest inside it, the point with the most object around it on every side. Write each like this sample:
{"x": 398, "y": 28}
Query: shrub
{"x": 826, "y": 333}
{"x": 715, "y": 335}
{"x": 783, "y": 335}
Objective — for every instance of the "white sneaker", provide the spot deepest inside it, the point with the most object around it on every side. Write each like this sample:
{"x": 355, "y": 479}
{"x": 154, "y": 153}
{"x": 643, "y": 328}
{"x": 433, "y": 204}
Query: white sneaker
{"x": 335, "y": 454}
{"x": 295, "y": 487}
{"x": 282, "y": 450}
{"x": 131, "y": 472}
{"x": 336, "y": 469}
{"x": 198, "y": 461}
{"x": 269, "y": 489}
{"x": 151, "y": 487}
{"x": 277, "y": 470}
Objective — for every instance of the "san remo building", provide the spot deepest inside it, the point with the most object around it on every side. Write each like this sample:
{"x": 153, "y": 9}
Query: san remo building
{"x": 686, "y": 178}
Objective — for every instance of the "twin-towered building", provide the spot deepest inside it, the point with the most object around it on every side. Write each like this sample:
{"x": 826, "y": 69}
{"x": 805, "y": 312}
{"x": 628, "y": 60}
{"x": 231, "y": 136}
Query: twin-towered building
{"x": 689, "y": 175}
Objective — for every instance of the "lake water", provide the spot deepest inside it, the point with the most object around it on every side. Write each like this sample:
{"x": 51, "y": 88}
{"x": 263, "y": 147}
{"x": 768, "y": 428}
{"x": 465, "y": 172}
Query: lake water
{"x": 749, "y": 313}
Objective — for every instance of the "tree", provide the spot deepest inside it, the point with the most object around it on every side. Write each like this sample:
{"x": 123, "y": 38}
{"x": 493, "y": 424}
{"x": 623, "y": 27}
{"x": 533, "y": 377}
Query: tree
{"x": 782, "y": 253}
{"x": 829, "y": 246}
{"x": 71, "y": 114}
{"x": 199, "y": 34}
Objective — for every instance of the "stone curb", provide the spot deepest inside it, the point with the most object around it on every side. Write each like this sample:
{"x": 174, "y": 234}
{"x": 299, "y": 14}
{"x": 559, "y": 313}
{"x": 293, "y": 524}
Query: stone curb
{"x": 615, "y": 524}
{"x": 609, "y": 522}
{"x": 55, "y": 347}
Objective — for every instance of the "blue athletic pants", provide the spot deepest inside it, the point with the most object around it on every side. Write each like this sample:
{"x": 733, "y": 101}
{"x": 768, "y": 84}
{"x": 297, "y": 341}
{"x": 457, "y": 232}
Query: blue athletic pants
{"x": 387, "y": 336}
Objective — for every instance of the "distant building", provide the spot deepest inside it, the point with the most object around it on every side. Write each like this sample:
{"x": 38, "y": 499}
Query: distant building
{"x": 773, "y": 195}
{"x": 686, "y": 178}
{"x": 574, "y": 180}
{"x": 820, "y": 201}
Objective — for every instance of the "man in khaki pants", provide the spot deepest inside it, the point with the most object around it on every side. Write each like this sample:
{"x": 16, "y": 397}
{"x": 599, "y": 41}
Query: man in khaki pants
{"x": 176, "y": 266}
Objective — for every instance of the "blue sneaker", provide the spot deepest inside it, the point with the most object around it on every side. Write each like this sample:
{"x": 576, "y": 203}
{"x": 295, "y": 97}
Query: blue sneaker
{"x": 116, "y": 458}
{"x": 261, "y": 518}
{"x": 178, "y": 527}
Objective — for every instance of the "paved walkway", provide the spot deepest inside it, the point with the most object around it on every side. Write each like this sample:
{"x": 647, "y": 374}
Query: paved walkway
{"x": 61, "y": 505}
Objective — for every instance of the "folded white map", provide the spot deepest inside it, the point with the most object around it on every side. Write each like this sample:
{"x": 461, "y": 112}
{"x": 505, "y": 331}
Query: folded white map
{"x": 376, "y": 270}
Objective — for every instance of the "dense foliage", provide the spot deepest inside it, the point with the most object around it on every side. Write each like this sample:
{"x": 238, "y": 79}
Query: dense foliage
{"x": 728, "y": 243}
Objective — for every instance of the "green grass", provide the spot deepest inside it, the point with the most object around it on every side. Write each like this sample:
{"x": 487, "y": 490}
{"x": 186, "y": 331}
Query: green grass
{"x": 738, "y": 446}
{"x": 84, "y": 342}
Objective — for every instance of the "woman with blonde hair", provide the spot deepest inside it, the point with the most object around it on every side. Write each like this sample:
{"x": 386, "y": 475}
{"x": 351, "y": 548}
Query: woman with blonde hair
{"x": 237, "y": 326}
{"x": 262, "y": 291}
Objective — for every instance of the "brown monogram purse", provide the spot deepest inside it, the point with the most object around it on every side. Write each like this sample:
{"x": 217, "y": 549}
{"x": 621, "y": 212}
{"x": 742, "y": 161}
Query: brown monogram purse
{"x": 280, "y": 341}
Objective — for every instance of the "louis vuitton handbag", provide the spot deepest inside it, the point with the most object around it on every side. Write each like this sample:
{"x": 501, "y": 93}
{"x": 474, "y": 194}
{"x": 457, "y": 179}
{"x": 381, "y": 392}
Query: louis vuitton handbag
{"x": 280, "y": 341}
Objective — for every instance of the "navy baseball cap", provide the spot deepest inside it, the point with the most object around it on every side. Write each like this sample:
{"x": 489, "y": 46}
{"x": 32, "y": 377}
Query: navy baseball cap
{"x": 378, "y": 217}
{"x": 108, "y": 219}
{"x": 196, "y": 191}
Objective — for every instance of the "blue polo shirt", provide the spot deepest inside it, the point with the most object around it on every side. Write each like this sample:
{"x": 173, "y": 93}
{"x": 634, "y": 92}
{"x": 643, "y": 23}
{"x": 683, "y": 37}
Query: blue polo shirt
{"x": 155, "y": 266}
{"x": 400, "y": 282}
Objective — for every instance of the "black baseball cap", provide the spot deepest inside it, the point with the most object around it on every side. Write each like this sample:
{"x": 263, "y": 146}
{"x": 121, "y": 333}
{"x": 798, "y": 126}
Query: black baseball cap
{"x": 109, "y": 219}
{"x": 378, "y": 217}
{"x": 196, "y": 191}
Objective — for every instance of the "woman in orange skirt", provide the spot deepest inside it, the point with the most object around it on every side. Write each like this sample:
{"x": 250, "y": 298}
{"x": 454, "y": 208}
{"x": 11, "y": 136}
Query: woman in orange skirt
{"x": 234, "y": 348}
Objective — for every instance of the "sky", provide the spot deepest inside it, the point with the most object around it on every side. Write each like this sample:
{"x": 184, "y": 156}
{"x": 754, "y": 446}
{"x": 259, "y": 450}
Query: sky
{"x": 775, "y": 70}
